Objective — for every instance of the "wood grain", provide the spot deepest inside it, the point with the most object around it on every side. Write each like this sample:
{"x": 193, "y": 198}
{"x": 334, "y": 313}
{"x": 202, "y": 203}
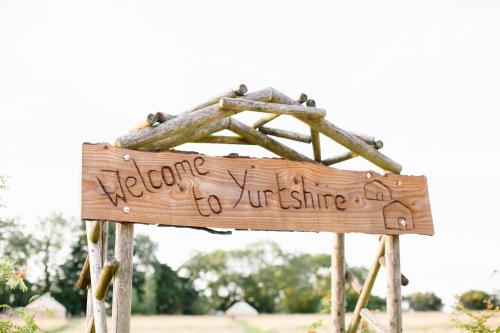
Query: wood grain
{"x": 189, "y": 189}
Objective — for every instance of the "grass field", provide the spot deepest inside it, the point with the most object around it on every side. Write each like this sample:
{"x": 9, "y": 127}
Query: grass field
{"x": 437, "y": 322}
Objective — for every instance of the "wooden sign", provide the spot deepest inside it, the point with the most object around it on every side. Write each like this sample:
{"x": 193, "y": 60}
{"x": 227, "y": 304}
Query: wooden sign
{"x": 189, "y": 189}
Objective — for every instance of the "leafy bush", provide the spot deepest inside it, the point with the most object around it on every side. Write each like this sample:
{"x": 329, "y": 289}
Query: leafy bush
{"x": 476, "y": 322}
{"x": 12, "y": 277}
{"x": 424, "y": 302}
{"x": 476, "y": 300}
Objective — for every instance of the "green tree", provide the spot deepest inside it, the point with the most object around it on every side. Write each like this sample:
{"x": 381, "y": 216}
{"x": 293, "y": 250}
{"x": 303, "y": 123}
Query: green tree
{"x": 263, "y": 275}
{"x": 3, "y": 187}
{"x": 476, "y": 299}
{"x": 11, "y": 276}
{"x": 17, "y": 245}
{"x": 50, "y": 237}
{"x": 64, "y": 289}
{"x": 424, "y": 301}
{"x": 306, "y": 279}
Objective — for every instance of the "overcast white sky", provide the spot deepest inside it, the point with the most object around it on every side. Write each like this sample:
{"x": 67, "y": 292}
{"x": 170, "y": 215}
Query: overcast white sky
{"x": 423, "y": 76}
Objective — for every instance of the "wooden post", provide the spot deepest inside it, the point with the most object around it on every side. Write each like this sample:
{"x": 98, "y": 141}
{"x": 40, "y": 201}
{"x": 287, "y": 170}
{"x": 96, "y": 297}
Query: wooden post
{"x": 84, "y": 277}
{"x": 122, "y": 285}
{"x": 95, "y": 259}
{"x": 107, "y": 272}
{"x": 373, "y": 321}
{"x": 393, "y": 268}
{"x": 338, "y": 284}
{"x": 285, "y": 134}
{"x": 89, "y": 321}
{"x": 367, "y": 289}
{"x": 258, "y": 138}
{"x": 239, "y": 105}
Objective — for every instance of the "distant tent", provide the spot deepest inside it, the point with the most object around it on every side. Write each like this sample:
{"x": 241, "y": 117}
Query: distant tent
{"x": 241, "y": 308}
{"x": 46, "y": 305}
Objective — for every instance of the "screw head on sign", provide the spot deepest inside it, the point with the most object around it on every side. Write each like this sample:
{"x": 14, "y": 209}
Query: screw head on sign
{"x": 402, "y": 221}
{"x": 126, "y": 157}
{"x": 126, "y": 209}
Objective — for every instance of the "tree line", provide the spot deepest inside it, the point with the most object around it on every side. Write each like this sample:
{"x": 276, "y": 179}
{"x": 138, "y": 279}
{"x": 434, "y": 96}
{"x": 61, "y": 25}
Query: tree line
{"x": 263, "y": 274}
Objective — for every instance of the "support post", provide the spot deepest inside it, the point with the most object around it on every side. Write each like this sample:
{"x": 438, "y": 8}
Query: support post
{"x": 95, "y": 259}
{"x": 122, "y": 285}
{"x": 367, "y": 289}
{"x": 338, "y": 284}
{"x": 393, "y": 268}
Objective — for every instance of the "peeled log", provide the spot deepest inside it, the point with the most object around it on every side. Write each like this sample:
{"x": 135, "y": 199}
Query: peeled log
{"x": 109, "y": 269}
{"x": 229, "y": 140}
{"x": 258, "y": 138}
{"x": 240, "y": 91}
{"x": 235, "y": 104}
{"x": 353, "y": 143}
{"x": 286, "y": 134}
{"x": 184, "y": 123}
{"x": 190, "y": 136}
{"x": 84, "y": 277}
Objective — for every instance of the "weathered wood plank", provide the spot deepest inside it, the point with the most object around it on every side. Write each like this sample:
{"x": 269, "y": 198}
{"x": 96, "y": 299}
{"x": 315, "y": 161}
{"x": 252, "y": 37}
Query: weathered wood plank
{"x": 189, "y": 189}
{"x": 237, "y": 104}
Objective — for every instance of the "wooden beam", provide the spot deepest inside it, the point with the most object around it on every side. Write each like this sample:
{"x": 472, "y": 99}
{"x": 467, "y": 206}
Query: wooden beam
{"x": 264, "y": 120}
{"x": 366, "y": 290}
{"x": 239, "y": 105}
{"x": 316, "y": 144}
{"x": 107, "y": 272}
{"x": 240, "y": 91}
{"x": 393, "y": 268}
{"x": 160, "y": 117}
{"x": 190, "y": 136}
{"x": 122, "y": 285}
{"x": 229, "y": 140}
{"x": 186, "y": 123}
{"x": 89, "y": 318}
{"x": 286, "y": 134}
{"x": 404, "y": 279}
{"x": 353, "y": 143}
{"x": 373, "y": 321}
{"x": 348, "y": 155}
{"x": 258, "y": 138}
{"x": 339, "y": 158}
{"x": 278, "y": 98}
{"x": 95, "y": 232}
{"x": 354, "y": 281}
{"x": 84, "y": 277}
{"x": 338, "y": 283}
{"x": 99, "y": 309}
